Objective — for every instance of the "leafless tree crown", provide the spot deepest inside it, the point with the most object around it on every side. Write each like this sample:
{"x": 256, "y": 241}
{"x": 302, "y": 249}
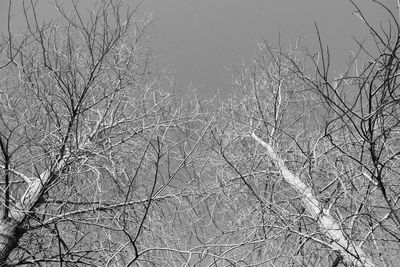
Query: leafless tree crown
{"x": 102, "y": 164}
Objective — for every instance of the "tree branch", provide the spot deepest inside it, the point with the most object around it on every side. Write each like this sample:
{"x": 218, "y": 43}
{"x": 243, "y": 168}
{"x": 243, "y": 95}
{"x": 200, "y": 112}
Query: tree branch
{"x": 351, "y": 253}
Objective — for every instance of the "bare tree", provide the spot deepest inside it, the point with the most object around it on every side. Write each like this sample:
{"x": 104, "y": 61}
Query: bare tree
{"x": 89, "y": 141}
{"x": 363, "y": 130}
{"x": 100, "y": 166}
{"x": 317, "y": 157}
{"x": 270, "y": 143}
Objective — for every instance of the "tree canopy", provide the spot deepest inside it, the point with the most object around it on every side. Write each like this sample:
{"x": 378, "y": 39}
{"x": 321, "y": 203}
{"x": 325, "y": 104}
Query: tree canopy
{"x": 103, "y": 163}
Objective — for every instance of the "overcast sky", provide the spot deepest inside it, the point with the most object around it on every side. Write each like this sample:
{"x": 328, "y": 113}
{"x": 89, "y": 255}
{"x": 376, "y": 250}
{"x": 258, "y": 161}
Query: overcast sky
{"x": 197, "y": 38}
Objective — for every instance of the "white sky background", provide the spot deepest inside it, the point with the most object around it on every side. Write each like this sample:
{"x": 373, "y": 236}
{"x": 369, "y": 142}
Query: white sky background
{"x": 196, "y": 38}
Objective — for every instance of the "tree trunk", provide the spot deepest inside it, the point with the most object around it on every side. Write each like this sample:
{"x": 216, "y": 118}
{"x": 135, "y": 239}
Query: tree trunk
{"x": 12, "y": 228}
{"x": 352, "y": 254}
{"x": 10, "y": 233}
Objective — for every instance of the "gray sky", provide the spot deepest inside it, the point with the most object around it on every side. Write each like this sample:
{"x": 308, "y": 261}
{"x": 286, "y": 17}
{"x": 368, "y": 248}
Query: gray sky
{"x": 197, "y": 38}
